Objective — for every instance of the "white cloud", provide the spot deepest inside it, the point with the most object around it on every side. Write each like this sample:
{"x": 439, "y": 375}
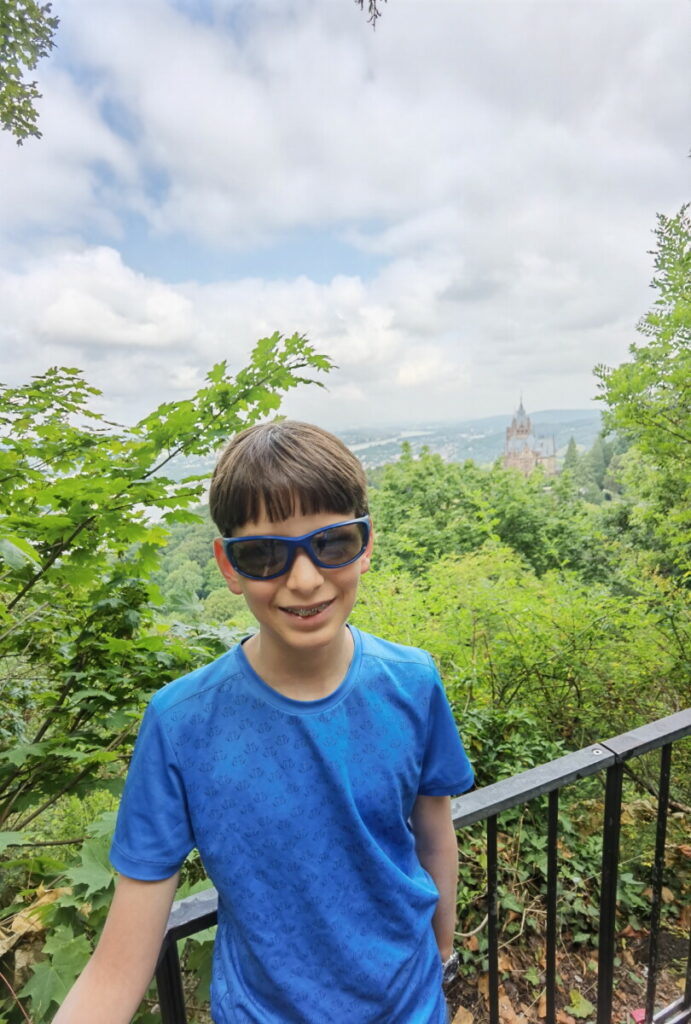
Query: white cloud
{"x": 311, "y": 118}
{"x": 53, "y": 184}
{"x": 89, "y": 297}
{"x": 428, "y": 367}
{"x": 502, "y": 162}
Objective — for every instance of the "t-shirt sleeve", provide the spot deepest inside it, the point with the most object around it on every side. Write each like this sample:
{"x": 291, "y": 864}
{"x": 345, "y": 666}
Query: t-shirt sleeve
{"x": 446, "y": 770}
{"x": 153, "y": 834}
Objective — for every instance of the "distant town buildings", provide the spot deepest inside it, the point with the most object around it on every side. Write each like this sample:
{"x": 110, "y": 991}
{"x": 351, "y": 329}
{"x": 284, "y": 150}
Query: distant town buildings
{"x": 524, "y": 450}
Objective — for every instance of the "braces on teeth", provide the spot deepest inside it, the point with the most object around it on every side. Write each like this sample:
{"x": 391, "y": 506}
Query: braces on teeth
{"x": 306, "y": 612}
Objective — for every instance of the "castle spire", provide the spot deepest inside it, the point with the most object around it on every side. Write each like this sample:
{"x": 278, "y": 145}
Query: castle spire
{"x": 525, "y": 451}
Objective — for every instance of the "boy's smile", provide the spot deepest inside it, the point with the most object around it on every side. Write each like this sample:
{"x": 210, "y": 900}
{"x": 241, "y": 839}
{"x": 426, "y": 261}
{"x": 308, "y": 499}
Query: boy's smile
{"x": 310, "y": 611}
{"x": 302, "y": 613}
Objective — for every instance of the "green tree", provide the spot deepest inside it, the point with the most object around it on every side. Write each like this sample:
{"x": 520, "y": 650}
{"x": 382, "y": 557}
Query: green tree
{"x": 27, "y": 30}
{"x": 185, "y": 581}
{"x": 80, "y": 647}
{"x": 222, "y": 606}
{"x": 649, "y": 397}
{"x": 584, "y": 661}
{"x": 596, "y": 461}
{"x": 424, "y": 508}
{"x": 571, "y": 457}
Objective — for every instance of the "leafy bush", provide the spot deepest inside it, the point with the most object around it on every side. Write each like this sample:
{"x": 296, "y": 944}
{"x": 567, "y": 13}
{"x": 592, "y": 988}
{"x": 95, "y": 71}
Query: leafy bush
{"x": 584, "y": 661}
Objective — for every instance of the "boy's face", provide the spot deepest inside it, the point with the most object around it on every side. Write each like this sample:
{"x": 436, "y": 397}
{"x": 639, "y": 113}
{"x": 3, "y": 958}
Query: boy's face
{"x": 307, "y": 606}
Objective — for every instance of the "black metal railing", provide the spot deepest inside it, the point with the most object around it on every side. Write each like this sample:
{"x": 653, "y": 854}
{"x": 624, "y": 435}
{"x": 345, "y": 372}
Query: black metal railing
{"x": 197, "y": 912}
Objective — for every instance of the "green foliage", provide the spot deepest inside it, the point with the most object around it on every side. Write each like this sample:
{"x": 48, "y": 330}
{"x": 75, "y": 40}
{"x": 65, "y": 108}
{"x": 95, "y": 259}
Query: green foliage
{"x": 52, "y": 978}
{"x": 597, "y": 461}
{"x": 649, "y": 397}
{"x": 504, "y": 743}
{"x": 424, "y": 508}
{"x": 593, "y": 473}
{"x": 26, "y": 35}
{"x": 74, "y": 921}
{"x": 183, "y": 582}
{"x": 578, "y": 1005}
{"x": 192, "y": 588}
{"x": 594, "y": 662}
{"x": 76, "y": 507}
{"x": 73, "y": 916}
{"x": 571, "y": 457}
{"x": 222, "y": 606}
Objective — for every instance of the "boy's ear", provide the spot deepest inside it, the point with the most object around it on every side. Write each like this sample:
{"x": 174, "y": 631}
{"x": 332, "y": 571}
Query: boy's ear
{"x": 227, "y": 571}
{"x": 366, "y": 558}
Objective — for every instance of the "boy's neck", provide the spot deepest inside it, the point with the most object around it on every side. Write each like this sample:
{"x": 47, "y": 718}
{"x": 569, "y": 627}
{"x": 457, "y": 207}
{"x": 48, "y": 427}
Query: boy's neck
{"x": 301, "y": 675}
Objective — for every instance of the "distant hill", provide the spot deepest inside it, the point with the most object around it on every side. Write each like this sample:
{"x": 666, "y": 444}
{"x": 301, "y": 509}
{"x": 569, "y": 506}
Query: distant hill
{"x": 481, "y": 440}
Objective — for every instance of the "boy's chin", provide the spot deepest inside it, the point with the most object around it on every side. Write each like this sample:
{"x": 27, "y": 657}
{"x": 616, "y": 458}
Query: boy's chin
{"x": 326, "y": 627}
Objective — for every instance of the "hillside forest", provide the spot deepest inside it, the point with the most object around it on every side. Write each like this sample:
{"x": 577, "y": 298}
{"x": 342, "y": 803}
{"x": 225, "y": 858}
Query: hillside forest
{"x": 557, "y": 610}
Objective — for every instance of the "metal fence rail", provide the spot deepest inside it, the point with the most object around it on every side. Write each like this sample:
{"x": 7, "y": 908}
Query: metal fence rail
{"x": 198, "y": 912}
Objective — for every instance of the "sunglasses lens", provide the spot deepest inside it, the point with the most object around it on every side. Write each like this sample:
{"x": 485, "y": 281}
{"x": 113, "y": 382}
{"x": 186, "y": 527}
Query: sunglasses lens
{"x": 339, "y": 545}
{"x": 263, "y": 557}
{"x": 260, "y": 558}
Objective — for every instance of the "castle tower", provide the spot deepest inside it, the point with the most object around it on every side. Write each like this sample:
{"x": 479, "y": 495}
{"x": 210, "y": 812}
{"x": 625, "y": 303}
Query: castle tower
{"x": 525, "y": 451}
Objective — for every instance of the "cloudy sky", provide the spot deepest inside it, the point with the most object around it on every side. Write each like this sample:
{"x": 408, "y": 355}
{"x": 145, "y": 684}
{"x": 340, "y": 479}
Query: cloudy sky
{"x": 456, "y": 207}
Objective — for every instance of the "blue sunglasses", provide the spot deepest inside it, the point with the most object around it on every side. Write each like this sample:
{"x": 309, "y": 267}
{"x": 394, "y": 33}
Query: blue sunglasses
{"x": 265, "y": 557}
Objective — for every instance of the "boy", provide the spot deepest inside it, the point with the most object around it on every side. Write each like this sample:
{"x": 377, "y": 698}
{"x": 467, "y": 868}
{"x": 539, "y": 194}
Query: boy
{"x": 311, "y": 766}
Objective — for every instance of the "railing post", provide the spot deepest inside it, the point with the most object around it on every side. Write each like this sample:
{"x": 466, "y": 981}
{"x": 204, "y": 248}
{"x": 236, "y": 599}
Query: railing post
{"x": 171, "y": 997}
{"x": 608, "y": 895}
{"x": 658, "y": 869}
{"x": 551, "y": 950}
{"x": 492, "y": 915}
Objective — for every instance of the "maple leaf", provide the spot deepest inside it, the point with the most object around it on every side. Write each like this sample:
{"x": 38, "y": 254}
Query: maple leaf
{"x": 579, "y": 1006}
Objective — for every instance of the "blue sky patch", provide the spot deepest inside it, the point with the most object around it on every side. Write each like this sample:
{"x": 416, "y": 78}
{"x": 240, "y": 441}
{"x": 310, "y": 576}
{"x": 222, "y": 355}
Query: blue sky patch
{"x": 318, "y": 255}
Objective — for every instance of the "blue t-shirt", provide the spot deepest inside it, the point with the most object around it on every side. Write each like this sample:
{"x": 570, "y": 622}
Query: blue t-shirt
{"x": 300, "y": 812}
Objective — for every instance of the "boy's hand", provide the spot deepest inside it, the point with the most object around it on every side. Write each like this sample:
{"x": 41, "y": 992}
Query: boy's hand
{"x": 437, "y": 849}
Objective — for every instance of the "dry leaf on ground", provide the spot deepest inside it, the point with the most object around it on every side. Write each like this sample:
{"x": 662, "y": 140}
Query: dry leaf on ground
{"x": 463, "y": 1016}
{"x": 7, "y": 941}
{"x": 507, "y": 1014}
{"x": 25, "y": 958}
{"x": 30, "y": 920}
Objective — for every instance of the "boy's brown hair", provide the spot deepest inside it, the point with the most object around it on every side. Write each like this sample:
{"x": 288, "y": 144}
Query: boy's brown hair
{"x": 280, "y": 468}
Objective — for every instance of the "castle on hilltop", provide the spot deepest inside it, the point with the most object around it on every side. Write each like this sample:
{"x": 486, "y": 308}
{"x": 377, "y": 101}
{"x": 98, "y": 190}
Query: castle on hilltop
{"x": 524, "y": 450}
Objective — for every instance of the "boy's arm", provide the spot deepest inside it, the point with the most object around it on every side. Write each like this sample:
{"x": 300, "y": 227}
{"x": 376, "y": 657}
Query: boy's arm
{"x": 113, "y": 983}
{"x": 437, "y": 849}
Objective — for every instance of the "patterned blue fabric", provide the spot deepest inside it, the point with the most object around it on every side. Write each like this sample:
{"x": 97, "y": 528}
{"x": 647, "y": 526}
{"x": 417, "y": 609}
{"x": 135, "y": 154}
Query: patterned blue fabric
{"x": 300, "y": 812}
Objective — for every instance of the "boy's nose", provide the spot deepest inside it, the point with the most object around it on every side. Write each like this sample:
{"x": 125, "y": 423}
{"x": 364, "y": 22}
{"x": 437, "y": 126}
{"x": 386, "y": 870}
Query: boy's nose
{"x": 304, "y": 574}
